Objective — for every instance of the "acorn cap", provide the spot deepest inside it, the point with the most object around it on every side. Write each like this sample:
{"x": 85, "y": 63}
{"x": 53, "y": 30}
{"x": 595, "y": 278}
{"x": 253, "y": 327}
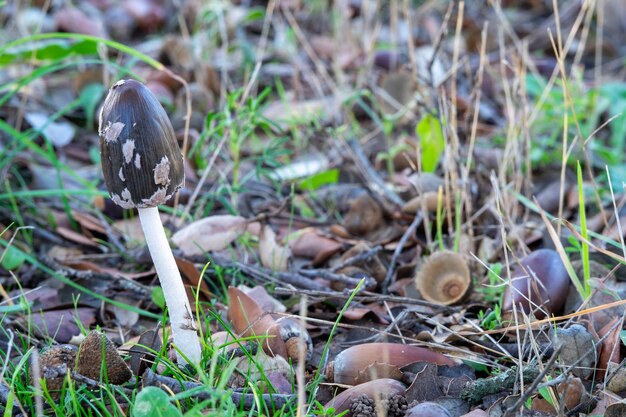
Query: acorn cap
{"x": 141, "y": 161}
{"x": 444, "y": 278}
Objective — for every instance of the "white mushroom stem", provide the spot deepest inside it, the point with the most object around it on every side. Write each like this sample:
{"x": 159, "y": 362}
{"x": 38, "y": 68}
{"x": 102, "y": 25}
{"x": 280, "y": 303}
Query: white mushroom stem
{"x": 184, "y": 327}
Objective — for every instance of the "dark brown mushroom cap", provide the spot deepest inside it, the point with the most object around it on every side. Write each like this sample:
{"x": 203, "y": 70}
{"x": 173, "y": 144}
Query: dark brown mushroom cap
{"x": 141, "y": 161}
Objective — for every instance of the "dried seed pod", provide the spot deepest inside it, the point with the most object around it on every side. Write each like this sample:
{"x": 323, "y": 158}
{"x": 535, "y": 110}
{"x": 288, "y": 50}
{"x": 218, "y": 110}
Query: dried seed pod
{"x": 541, "y": 274}
{"x": 378, "y": 360}
{"x": 53, "y": 360}
{"x": 444, "y": 278}
{"x": 90, "y": 363}
{"x": 376, "y": 390}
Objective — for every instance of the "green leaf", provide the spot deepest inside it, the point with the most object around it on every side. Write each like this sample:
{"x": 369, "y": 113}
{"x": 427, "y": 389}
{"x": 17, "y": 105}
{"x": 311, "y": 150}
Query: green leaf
{"x": 12, "y": 258}
{"x": 154, "y": 402}
{"x": 318, "y": 180}
{"x": 157, "y": 297}
{"x": 432, "y": 142}
{"x": 89, "y": 99}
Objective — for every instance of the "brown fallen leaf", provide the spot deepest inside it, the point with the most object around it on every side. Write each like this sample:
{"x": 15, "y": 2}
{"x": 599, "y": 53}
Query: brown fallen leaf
{"x": 213, "y": 233}
{"x": 76, "y": 237}
{"x": 571, "y": 392}
{"x": 193, "y": 276}
{"x": 141, "y": 350}
{"x": 264, "y": 299}
{"x": 249, "y": 319}
{"x": 59, "y": 325}
{"x": 73, "y": 20}
{"x": 312, "y": 245}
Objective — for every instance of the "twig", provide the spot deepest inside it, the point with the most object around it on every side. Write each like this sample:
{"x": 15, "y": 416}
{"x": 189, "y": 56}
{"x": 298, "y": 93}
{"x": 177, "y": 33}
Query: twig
{"x": 332, "y": 276}
{"x": 60, "y": 371}
{"x": 476, "y": 390}
{"x": 111, "y": 234}
{"x": 358, "y": 258}
{"x": 373, "y": 180}
{"x": 533, "y": 387}
{"x": 367, "y": 297}
{"x": 295, "y": 279}
{"x": 241, "y": 399}
{"x": 396, "y": 253}
{"x": 118, "y": 281}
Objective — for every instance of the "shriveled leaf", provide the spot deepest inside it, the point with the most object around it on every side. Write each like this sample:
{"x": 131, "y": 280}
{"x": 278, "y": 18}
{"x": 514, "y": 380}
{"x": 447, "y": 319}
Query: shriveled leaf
{"x": 123, "y": 316}
{"x": 264, "y": 300}
{"x": 399, "y": 88}
{"x": 212, "y": 233}
{"x": 306, "y": 167}
{"x": 69, "y": 234}
{"x": 141, "y": 350}
{"x": 286, "y": 112}
{"x": 578, "y": 349}
{"x": 59, "y": 133}
{"x": 191, "y": 274}
{"x": 246, "y": 371}
{"x": 273, "y": 255}
{"x": 72, "y": 19}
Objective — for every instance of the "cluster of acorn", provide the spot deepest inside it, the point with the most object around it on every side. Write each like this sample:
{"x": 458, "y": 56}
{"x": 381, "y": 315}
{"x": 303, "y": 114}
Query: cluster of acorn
{"x": 374, "y": 370}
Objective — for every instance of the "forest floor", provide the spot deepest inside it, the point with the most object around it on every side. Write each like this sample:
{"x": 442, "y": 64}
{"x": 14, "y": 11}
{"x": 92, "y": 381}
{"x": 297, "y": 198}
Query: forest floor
{"x": 390, "y": 208}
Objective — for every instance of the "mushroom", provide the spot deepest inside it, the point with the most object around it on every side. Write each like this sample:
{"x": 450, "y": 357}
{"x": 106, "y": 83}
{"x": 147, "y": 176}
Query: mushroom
{"x": 444, "y": 278}
{"x": 143, "y": 167}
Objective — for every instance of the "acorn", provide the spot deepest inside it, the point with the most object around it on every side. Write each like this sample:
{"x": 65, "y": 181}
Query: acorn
{"x": 249, "y": 320}
{"x": 541, "y": 274}
{"x": 444, "y": 278}
{"x": 427, "y": 409}
{"x": 283, "y": 336}
{"x": 428, "y": 200}
{"x": 368, "y": 361}
{"x": 296, "y": 338}
{"x": 376, "y": 390}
